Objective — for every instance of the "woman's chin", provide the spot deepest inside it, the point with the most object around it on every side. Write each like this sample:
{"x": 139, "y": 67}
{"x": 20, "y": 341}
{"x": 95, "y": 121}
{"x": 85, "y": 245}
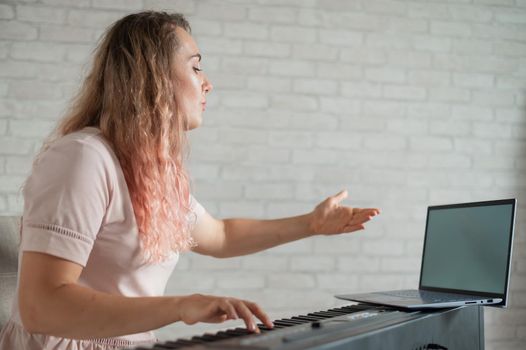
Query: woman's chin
{"x": 194, "y": 123}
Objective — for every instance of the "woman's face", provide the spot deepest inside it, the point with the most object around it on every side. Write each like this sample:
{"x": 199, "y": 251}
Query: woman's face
{"x": 191, "y": 83}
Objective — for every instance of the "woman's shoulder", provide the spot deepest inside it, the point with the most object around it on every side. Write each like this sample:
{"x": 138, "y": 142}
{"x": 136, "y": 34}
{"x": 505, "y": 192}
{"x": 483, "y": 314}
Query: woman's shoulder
{"x": 87, "y": 138}
{"x": 80, "y": 162}
{"x": 83, "y": 153}
{"x": 85, "y": 144}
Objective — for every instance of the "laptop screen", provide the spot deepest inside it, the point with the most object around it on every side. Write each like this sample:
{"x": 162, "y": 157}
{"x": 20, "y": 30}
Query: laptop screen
{"x": 467, "y": 247}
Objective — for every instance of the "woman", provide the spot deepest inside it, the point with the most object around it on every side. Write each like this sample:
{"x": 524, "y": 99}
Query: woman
{"x": 108, "y": 206}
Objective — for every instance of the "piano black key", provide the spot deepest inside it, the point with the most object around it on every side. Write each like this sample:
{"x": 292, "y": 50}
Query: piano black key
{"x": 234, "y": 334}
{"x": 277, "y": 326}
{"x": 263, "y": 328}
{"x": 179, "y": 342}
{"x": 222, "y": 333}
{"x": 238, "y": 331}
{"x": 286, "y": 323}
{"x": 164, "y": 347}
{"x": 209, "y": 338}
{"x": 218, "y": 335}
{"x": 206, "y": 337}
{"x": 306, "y": 318}
{"x": 355, "y": 308}
{"x": 292, "y": 321}
{"x": 318, "y": 315}
{"x": 341, "y": 309}
{"x": 173, "y": 344}
{"x": 339, "y": 312}
{"x": 297, "y": 319}
{"x": 197, "y": 340}
{"x": 331, "y": 313}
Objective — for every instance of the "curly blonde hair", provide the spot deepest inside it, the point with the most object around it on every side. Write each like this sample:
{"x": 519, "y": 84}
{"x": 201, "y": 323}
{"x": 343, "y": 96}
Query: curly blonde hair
{"x": 129, "y": 94}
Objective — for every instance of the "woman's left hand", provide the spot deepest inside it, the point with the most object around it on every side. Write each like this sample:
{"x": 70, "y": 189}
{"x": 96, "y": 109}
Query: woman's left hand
{"x": 329, "y": 217}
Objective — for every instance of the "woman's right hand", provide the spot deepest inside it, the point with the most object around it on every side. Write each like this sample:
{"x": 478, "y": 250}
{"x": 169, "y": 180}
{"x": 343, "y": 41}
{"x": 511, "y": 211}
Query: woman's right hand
{"x": 212, "y": 309}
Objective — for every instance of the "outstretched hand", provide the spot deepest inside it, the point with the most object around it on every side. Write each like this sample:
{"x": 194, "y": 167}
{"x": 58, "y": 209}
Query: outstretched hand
{"x": 329, "y": 217}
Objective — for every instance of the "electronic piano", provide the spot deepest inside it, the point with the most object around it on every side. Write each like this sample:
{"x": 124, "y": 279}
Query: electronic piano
{"x": 360, "y": 326}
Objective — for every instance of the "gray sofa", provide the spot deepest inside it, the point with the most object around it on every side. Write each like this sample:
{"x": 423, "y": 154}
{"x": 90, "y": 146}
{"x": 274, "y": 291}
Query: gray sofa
{"x": 9, "y": 239}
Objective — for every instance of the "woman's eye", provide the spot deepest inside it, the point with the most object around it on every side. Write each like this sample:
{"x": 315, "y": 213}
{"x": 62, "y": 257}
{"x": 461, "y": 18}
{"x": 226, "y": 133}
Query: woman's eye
{"x": 196, "y": 69}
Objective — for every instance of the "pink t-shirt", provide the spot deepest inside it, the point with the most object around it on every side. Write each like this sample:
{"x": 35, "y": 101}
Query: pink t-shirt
{"x": 77, "y": 207}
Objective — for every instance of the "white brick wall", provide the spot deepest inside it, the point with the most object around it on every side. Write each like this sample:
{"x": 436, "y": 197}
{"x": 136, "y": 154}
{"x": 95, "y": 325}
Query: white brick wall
{"x": 405, "y": 103}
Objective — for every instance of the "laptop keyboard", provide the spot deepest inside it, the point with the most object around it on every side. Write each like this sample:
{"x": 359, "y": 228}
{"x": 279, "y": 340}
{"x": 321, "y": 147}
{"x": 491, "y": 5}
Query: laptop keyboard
{"x": 430, "y": 296}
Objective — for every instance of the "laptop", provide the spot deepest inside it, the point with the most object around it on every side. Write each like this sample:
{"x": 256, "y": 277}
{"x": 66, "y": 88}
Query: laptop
{"x": 466, "y": 258}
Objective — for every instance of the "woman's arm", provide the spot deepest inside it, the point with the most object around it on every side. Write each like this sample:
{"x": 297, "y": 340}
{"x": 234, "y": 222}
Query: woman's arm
{"x": 52, "y": 303}
{"x": 236, "y": 237}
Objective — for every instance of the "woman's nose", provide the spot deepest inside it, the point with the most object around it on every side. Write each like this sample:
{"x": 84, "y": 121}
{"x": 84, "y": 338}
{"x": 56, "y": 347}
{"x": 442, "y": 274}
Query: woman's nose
{"x": 207, "y": 85}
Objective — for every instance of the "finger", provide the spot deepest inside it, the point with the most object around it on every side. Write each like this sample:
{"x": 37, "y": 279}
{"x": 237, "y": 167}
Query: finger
{"x": 362, "y": 221}
{"x": 229, "y": 309}
{"x": 258, "y": 311}
{"x": 366, "y": 215}
{"x": 360, "y": 215}
{"x": 372, "y": 211}
{"x": 356, "y": 215}
{"x": 352, "y": 228}
{"x": 376, "y": 211}
{"x": 217, "y": 317}
{"x": 340, "y": 196}
{"x": 244, "y": 312}
{"x": 220, "y": 319}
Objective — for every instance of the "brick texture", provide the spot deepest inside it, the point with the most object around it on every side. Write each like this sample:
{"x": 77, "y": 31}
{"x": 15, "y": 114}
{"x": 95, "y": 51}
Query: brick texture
{"x": 404, "y": 103}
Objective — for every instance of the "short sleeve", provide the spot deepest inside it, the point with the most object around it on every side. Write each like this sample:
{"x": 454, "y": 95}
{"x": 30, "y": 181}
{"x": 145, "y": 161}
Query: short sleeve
{"x": 196, "y": 208}
{"x": 65, "y": 200}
